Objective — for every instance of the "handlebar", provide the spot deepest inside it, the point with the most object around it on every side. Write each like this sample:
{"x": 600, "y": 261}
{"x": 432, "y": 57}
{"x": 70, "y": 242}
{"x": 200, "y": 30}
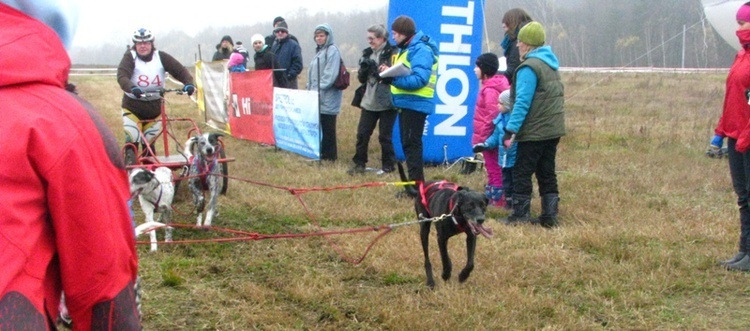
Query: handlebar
{"x": 161, "y": 92}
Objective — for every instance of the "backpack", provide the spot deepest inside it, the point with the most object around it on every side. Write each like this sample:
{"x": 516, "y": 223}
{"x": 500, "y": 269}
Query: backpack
{"x": 342, "y": 80}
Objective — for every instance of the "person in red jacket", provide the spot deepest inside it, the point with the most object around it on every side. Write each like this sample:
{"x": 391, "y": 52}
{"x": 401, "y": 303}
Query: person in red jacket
{"x": 63, "y": 188}
{"x": 733, "y": 125}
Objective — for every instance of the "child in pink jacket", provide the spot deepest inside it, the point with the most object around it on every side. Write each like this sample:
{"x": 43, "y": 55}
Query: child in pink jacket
{"x": 485, "y": 112}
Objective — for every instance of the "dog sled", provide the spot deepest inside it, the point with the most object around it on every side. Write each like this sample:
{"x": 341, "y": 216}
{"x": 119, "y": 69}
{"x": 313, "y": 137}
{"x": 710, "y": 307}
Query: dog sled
{"x": 170, "y": 146}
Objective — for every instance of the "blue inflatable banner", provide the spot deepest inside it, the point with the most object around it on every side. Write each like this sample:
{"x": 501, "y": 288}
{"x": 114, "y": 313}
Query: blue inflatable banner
{"x": 456, "y": 26}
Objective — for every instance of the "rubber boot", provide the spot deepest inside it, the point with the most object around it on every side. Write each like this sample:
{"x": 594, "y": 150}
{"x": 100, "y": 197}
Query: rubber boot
{"x": 548, "y": 218}
{"x": 495, "y": 195}
{"x": 741, "y": 265}
{"x": 521, "y": 210}
{"x": 737, "y": 257}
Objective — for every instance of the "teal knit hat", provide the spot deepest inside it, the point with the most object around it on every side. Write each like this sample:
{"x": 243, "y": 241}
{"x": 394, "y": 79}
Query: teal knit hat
{"x": 532, "y": 34}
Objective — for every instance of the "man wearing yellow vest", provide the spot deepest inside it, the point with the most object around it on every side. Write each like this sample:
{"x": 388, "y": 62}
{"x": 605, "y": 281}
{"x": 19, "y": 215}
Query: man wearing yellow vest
{"x": 413, "y": 93}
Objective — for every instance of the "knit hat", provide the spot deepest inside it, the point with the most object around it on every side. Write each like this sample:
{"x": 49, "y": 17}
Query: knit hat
{"x": 227, "y": 38}
{"x": 281, "y": 27}
{"x": 257, "y": 37}
{"x": 404, "y": 25}
{"x": 277, "y": 20}
{"x": 743, "y": 13}
{"x": 532, "y": 34}
{"x": 488, "y": 64}
{"x": 240, "y": 49}
{"x": 504, "y": 99}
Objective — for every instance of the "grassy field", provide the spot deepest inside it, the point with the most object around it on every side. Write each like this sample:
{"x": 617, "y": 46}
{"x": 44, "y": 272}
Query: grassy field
{"x": 644, "y": 216}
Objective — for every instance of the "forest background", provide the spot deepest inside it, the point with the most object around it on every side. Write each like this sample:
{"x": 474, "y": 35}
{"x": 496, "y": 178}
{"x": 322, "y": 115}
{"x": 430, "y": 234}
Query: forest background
{"x": 583, "y": 33}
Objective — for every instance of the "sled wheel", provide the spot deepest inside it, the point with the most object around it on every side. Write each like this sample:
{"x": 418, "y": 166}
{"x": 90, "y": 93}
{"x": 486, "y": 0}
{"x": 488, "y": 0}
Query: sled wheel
{"x": 224, "y": 172}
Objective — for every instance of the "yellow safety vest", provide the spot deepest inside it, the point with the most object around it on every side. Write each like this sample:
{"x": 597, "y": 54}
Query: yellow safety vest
{"x": 427, "y": 91}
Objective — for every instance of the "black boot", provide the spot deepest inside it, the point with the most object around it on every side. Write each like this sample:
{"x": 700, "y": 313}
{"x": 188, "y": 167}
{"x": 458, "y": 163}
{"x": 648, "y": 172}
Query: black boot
{"x": 521, "y": 210}
{"x": 548, "y": 218}
{"x": 734, "y": 259}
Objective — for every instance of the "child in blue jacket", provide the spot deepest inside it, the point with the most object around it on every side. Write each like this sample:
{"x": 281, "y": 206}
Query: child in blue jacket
{"x": 506, "y": 156}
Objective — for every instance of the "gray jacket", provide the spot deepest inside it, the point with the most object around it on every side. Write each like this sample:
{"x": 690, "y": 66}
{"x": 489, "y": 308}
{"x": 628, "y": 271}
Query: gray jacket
{"x": 322, "y": 73}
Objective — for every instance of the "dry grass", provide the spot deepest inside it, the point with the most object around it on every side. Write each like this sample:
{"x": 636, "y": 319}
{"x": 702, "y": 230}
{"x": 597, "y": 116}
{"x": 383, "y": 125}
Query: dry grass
{"x": 645, "y": 216}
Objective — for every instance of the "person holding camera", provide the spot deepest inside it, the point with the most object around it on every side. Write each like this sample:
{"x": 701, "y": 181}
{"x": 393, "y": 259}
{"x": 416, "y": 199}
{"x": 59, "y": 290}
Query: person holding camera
{"x": 376, "y": 101}
{"x": 141, "y": 75}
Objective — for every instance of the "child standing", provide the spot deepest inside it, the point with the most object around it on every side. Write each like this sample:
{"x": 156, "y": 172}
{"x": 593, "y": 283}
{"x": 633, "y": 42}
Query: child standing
{"x": 237, "y": 59}
{"x": 506, "y": 156}
{"x": 487, "y": 109}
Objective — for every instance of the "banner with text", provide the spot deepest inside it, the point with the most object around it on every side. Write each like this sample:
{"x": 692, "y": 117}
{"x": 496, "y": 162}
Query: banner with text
{"x": 456, "y": 26}
{"x": 296, "y": 123}
{"x": 251, "y": 106}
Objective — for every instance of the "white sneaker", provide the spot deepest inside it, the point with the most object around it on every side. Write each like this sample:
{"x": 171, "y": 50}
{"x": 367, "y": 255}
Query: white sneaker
{"x": 382, "y": 172}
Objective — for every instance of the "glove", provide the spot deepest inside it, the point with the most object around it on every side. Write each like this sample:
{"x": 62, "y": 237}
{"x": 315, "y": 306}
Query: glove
{"x": 717, "y": 141}
{"x": 190, "y": 89}
{"x": 478, "y": 148}
{"x": 507, "y": 138}
{"x": 137, "y": 91}
{"x": 715, "y": 150}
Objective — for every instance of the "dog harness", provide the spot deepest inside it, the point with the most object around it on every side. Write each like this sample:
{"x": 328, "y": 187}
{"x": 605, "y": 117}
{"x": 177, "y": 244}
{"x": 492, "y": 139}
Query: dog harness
{"x": 427, "y": 192}
{"x": 204, "y": 168}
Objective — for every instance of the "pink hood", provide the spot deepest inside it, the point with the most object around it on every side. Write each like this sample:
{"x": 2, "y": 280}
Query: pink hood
{"x": 487, "y": 107}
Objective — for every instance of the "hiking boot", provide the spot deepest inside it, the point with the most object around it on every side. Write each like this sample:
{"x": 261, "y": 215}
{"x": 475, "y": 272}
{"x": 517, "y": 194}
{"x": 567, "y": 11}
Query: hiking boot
{"x": 736, "y": 258}
{"x": 356, "y": 170}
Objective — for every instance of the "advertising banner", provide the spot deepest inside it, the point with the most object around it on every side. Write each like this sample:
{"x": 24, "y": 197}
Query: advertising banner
{"x": 456, "y": 26}
{"x": 251, "y": 106}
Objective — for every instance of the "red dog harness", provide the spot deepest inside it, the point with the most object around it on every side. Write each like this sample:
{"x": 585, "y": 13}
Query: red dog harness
{"x": 427, "y": 192}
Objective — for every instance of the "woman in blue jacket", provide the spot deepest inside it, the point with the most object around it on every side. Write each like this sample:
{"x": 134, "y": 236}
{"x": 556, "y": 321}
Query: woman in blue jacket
{"x": 322, "y": 72}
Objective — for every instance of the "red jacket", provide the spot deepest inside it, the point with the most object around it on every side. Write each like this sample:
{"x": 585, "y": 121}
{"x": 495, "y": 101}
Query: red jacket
{"x": 487, "y": 107}
{"x": 734, "y": 119}
{"x": 65, "y": 224}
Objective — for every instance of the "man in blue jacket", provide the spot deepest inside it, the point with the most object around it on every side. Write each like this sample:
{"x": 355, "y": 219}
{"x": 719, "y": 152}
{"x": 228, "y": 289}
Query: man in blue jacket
{"x": 288, "y": 53}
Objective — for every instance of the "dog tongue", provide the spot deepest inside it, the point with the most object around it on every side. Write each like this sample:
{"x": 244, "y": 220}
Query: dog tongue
{"x": 479, "y": 228}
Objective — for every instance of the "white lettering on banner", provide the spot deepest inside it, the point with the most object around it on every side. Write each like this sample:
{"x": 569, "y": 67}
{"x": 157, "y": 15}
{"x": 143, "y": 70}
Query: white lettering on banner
{"x": 246, "y": 108}
{"x": 449, "y": 104}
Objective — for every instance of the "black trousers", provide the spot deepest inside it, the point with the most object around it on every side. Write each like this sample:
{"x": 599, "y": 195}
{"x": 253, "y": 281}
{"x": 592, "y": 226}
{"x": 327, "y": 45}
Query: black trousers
{"x": 367, "y": 122}
{"x": 739, "y": 168}
{"x": 328, "y": 148}
{"x": 535, "y": 157}
{"x": 411, "y": 124}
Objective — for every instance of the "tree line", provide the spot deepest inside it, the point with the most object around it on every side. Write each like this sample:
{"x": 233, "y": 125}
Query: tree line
{"x": 583, "y": 33}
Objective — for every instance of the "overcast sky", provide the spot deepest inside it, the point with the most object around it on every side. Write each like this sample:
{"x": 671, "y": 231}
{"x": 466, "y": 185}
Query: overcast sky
{"x": 99, "y": 20}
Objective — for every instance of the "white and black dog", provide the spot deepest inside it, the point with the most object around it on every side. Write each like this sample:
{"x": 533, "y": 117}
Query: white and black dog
{"x": 155, "y": 191}
{"x": 205, "y": 173}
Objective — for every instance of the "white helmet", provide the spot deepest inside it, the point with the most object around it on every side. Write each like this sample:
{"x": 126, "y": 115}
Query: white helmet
{"x": 143, "y": 35}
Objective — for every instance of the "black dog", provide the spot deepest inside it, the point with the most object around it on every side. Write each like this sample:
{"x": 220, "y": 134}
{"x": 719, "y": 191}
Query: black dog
{"x": 465, "y": 211}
